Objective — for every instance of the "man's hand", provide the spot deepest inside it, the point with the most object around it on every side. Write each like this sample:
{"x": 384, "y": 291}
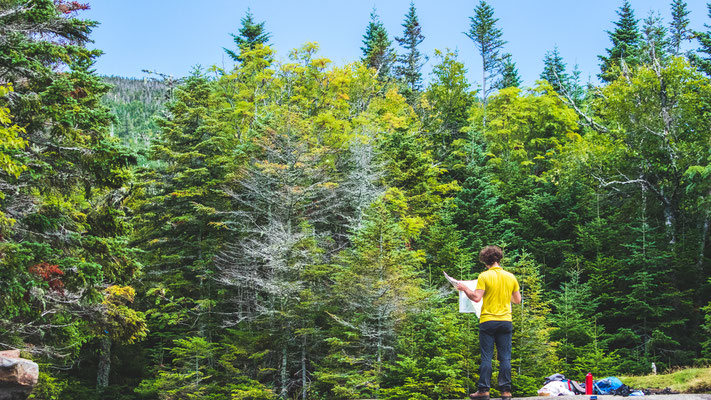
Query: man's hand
{"x": 474, "y": 296}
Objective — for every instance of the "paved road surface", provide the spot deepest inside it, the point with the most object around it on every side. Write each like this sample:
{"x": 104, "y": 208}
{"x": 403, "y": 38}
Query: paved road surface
{"x": 650, "y": 397}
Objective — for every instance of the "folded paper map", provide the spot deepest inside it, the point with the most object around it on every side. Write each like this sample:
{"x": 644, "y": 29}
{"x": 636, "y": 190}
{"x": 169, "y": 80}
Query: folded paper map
{"x": 465, "y": 303}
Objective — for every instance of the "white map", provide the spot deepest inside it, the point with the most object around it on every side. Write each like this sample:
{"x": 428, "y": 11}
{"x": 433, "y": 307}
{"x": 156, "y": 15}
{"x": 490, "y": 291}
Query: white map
{"x": 465, "y": 304}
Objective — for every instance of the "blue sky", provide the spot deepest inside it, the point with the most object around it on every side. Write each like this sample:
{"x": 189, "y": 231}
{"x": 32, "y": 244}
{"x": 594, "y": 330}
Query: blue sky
{"x": 173, "y": 36}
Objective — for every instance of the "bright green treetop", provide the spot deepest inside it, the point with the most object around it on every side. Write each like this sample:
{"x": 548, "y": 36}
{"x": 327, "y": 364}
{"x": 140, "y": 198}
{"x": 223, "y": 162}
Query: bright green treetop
{"x": 487, "y": 38}
{"x": 410, "y": 63}
{"x": 625, "y": 43}
{"x": 679, "y": 25}
{"x": 251, "y": 34}
{"x": 377, "y": 47}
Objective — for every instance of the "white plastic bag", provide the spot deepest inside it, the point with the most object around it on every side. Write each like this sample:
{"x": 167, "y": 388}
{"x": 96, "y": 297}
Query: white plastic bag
{"x": 555, "y": 388}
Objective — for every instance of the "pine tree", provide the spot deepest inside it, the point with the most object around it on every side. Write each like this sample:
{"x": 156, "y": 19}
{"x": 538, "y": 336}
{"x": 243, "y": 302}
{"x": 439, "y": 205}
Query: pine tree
{"x": 375, "y": 287}
{"x": 410, "y": 63}
{"x": 250, "y": 35}
{"x": 703, "y": 63}
{"x": 655, "y": 44}
{"x": 554, "y": 71}
{"x": 509, "y": 73}
{"x": 679, "y": 26}
{"x": 487, "y": 38}
{"x": 177, "y": 221}
{"x": 377, "y": 47}
{"x": 66, "y": 195}
{"x": 625, "y": 44}
{"x": 532, "y": 355}
{"x": 574, "y": 310}
{"x": 450, "y": 97}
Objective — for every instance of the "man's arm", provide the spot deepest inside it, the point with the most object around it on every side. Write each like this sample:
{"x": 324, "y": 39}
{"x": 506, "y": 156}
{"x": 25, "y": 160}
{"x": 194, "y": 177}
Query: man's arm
{"x": 474, "y": 296}
{"x": 516, "y": 297}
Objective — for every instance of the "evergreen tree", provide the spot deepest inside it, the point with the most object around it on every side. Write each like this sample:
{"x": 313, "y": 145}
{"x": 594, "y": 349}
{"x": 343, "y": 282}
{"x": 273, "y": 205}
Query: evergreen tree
{"x": 679, "y": 26}
{"x": 573, "y": 319}
{"x": 706, "y": 326}
{"x": 532, "y": 354}
{"x": 377, "y": 47}
{"x": 250, "y": 35}
{"x": 554, "y": 71}
{"x": 449, "y": 96}
{"x": 509, "y": 73}
{"x": 435, "y": 354}
{"x": 487, "y": 38}
{"x": 177, "y": 222}
{"x": 66, "y": 252}
{"x": 410, "y": 63}
{"x": 625, "y": 44}
{"x": 11, "y": 140}
{"x": 576, "y": 87}
{"x": 702, "y": 58}
{"x": 655, "y": 44}
{"x": 375, "y": 287}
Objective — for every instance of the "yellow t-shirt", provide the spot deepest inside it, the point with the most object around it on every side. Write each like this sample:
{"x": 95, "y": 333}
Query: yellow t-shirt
{"x": 498, "y": 286}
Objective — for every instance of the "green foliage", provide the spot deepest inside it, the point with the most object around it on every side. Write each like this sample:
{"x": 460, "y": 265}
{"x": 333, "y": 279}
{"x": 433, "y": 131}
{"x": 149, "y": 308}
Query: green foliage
{"x": 509, "y": 73}
{"x": 625, "y": 45}
{"x": 449, "y": 98}
{"x": 410, "y": 63}
{"x": 703, "y": 60}
{"x": 69, "y": 237}
{"x": 434, "y": 355}
{"x": 678, "y": 26}
{"x": 487, "y": 38}
{"x": 554, "y": 71}
{"x": 573, "y": 320}
{"x": 251, "y": 34}
{"x": 286, "y": 233}
{"x": 378, "y": 53}
{"x": 9, "y": 138}
{"x": 136, "y": 104}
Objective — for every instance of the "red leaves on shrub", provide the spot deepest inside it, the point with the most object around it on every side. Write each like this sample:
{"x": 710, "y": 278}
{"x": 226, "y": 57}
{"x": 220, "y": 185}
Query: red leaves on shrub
{"x": 68, "y": 7}
{"x": 51, "y": 274}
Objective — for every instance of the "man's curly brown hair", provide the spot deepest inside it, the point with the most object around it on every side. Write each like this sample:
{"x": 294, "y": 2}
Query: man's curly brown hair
{"x": 490, "y": 255}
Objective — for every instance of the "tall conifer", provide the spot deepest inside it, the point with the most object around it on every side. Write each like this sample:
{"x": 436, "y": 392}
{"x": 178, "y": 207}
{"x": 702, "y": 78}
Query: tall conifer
{"x": 703, "y": 62}
{"x": 625, "y": 43}
{"x": 554, "y": 70}
{"x": 679, "y": 26}
{"x": 410, "y": 63}
{"x": 655, "y": 44}
{"x": 250, "y": 35}
{"x": 377, "y": 47}
{"x": 509, "y": 73}
{"x": 487, "y": 38}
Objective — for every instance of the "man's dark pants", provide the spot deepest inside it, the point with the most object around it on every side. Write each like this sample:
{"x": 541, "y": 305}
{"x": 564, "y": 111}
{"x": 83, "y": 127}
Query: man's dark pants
{"x": 499, "y": 333}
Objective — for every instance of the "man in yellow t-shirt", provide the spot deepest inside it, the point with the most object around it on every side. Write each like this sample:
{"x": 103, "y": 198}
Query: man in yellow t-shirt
{"x": 498, "y": 289}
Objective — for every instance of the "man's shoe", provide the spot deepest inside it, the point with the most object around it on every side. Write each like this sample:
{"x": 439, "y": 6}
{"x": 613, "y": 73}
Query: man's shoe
{"x": 479, "y": 396}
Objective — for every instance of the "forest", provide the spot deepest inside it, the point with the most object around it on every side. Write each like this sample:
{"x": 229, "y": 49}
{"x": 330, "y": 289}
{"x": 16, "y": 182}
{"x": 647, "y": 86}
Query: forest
{"x": 278, "y": 229}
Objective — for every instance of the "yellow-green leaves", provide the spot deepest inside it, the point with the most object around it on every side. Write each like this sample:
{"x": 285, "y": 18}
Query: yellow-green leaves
{"x": 526, "y": 128}
{"x": 10, "y": 139}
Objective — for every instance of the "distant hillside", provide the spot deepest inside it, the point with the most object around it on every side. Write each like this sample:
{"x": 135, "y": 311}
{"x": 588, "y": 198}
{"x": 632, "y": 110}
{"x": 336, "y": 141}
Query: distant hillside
{"x": 135, "y": 102}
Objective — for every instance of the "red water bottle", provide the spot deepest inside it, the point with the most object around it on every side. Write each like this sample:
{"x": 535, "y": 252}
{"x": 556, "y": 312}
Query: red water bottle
{"x": 588, "y": 384}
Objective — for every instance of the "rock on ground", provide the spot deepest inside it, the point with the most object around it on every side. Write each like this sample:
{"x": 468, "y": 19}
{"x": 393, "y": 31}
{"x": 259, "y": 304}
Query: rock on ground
{"x": 18, "y": 376}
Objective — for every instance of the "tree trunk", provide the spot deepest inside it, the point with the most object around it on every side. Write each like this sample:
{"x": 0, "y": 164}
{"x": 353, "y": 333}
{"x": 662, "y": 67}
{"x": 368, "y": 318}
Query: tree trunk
{"x": 104, "y": 367}
{"x": 303, "y": 369}
{"x": 702, "y": 245}
{"x": 483, "y": 86}
{"x": 283, "y": 373}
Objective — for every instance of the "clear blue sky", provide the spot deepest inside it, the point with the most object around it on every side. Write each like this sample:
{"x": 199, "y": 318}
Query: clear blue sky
{"x": 173, "y": 36}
